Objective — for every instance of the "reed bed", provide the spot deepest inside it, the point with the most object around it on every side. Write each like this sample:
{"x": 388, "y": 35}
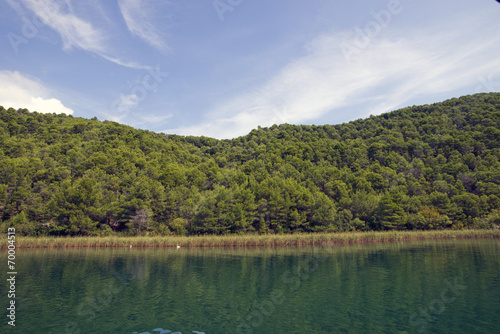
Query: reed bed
{"x": 273, "y": 240}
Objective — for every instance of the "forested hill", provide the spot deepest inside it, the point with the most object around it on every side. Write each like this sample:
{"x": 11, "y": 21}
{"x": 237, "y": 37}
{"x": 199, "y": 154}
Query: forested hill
{"x": 423, "y": 167}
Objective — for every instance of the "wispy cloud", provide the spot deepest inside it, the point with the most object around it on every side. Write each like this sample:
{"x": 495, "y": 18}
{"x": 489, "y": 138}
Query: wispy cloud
{"x": 129, "y": 64}
{"x": 19, "y": 91}
{"x": 139, "y": 17}
{"x": 74, "y": 30}
{"x": 123, "y": 111}
{"x": 154, "y": 118}
{"x": 389, "y": 73}
{"x": 127, "y": 102}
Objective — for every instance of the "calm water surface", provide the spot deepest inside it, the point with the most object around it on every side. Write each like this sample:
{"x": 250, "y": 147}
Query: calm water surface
{"x": 418, "y": 287}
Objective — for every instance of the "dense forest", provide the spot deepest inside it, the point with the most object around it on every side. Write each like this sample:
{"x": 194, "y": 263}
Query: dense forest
{"x": 422, "y": 167}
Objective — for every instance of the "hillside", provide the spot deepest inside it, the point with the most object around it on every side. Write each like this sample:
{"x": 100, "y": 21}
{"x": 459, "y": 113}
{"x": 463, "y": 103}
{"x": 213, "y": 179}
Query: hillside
{"x": 423, "y": 167}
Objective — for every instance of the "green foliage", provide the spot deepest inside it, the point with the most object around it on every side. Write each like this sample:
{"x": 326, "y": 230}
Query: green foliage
{"x": 425, "y": 167}
{"x": 389, "y": 214}
{"x": 179, "y": 226}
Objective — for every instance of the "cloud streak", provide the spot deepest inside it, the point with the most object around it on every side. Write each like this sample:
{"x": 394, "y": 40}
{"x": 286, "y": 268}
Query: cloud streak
{"x": 75, "y": 31}
{"x": 124, "y": 63}
{"x": 139, "y": 17}
{"x": 394, "y": 69}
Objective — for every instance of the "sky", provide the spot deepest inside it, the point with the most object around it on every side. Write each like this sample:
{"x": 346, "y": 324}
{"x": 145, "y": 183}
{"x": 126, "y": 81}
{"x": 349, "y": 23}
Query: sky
{"x": 220, "y": 68}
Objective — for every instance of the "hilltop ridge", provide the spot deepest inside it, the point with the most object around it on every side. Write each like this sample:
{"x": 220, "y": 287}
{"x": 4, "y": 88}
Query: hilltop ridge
{"x": 422, "y": 167}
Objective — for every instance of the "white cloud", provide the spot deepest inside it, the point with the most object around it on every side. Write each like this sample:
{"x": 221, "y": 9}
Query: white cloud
{"x": 395, "y": 68}
{"x": 139, "y": 18}
{"x": 154, "y": 118}
{"x": 74, "y": 30}
{"x": 128, "y": 64}
{"x": 19, "y": 91}
{"x": 127, "y": 102}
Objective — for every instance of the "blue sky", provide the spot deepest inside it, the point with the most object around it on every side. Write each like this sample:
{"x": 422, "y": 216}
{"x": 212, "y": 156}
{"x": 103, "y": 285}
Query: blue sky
{"x": 221, "y": 68}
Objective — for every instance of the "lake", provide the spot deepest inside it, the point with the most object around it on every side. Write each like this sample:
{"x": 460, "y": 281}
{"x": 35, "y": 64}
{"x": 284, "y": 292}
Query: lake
{"x": 446, "y": 286}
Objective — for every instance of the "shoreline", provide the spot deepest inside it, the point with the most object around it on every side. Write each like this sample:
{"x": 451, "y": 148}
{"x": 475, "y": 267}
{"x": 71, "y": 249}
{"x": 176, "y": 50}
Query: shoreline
{"x": 275, "y": 240}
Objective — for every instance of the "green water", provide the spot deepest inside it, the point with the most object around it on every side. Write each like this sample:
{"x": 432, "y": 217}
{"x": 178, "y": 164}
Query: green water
{"x": 418, "y": 287}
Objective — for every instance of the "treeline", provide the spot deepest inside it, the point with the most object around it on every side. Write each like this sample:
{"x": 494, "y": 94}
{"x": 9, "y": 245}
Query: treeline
{"x": 423, "y": 167}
